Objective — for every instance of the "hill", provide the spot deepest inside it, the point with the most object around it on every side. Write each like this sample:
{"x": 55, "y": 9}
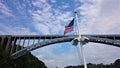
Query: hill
{"x": 26, "y": 61}
{"x": 116, "y": 64}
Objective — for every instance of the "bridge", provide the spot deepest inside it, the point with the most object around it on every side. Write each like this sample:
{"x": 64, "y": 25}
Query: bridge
{"x": 19, "y": 45}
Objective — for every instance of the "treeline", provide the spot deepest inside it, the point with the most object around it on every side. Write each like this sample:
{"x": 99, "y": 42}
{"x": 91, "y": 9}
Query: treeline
{"x": 116, "y": 64}
{"x": 26, "y": 61}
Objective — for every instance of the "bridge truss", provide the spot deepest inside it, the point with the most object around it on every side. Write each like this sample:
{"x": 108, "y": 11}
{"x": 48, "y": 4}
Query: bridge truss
{"x": 19, "y": 45}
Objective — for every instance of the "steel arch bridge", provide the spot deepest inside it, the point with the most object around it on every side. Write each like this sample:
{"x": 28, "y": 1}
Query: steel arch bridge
{"x": 19, "y": 45}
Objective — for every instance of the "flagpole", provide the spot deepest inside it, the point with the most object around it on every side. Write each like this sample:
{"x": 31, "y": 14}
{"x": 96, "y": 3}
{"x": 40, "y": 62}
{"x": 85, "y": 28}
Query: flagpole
{"x": 80, "y": 45}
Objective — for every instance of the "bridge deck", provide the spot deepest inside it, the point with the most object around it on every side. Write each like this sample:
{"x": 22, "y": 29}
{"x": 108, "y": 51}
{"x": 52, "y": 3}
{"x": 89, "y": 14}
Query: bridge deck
{"x": 110, "y": 36}
{"x": 17, "y": 45}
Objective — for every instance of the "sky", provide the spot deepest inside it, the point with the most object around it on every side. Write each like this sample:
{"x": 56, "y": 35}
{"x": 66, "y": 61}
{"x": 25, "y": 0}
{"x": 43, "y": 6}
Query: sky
{"x": 49, "y": 17}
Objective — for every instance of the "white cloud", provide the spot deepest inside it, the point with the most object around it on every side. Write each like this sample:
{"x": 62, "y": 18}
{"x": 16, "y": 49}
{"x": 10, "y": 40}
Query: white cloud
{"x": 9, "y": 30}
{"x": 64, "y": 6}
{"x": 40, "y": 56}
{"x": 64, "y": 17}
{"x": 89, "y": 10}
{"x": 53, "y": 1}
{"x": 42, "y": 4}
{"x": 52, "y": 60}
{"x": 101, "y": 53}
{"x": 110, "y": 7}
{"x": 94, "y": 20}
{"x": 46, "y": 20}
{"x": 100, "y": 17}
{"x": 110, "y": 25}
{"x": 42, "y": 28}
{"x": 108, "y": 22}
{"x": 5, "y": 10}
{"x": 49, "y": 18}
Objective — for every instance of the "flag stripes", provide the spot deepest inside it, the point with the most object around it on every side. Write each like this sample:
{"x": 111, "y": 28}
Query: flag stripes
{"x": 70, "y": 27}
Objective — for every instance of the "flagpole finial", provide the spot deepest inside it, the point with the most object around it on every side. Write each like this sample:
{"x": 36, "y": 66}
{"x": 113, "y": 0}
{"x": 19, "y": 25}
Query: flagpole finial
{"x": 75, "y": 12}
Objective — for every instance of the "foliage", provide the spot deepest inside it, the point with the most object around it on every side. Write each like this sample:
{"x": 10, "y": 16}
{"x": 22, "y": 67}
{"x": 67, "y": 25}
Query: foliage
{"x": 116, "y": 64}
{"x": 26, "y": 61}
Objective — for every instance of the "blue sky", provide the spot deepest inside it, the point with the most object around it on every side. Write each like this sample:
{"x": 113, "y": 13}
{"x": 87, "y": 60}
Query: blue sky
{"x": 48, "y": 17}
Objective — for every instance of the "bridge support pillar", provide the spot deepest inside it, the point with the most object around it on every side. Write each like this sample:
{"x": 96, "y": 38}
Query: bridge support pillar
{"x": 13, "y": 43}
{"x": 8, "y": 46}
{"x": 2, "y": 41}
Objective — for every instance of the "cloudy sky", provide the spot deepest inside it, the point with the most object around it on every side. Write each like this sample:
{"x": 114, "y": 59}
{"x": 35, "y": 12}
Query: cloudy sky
{"x": 48, "y": 17}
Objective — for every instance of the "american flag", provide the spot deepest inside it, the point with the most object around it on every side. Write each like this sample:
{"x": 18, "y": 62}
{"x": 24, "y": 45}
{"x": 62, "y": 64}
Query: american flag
{"x": 69, "y": 27}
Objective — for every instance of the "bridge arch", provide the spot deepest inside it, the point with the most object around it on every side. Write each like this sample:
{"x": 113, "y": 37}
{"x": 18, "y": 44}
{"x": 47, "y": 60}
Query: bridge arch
{"x": 64, "y": 39}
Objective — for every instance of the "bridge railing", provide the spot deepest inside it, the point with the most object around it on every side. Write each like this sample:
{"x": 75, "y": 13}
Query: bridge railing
{"x": 17, "y": 45}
